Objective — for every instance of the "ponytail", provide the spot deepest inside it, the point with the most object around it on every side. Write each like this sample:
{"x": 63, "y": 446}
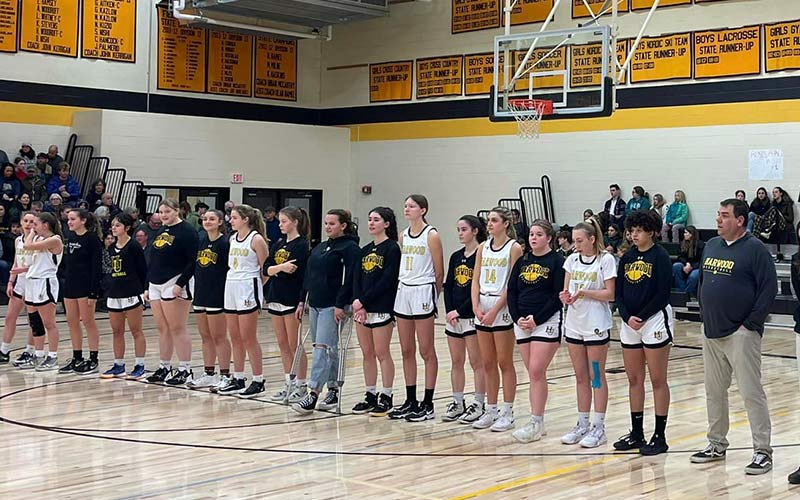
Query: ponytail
{"x": 506, "y": 216}
{"x": 476, "y": 223}
{"x": 254, "y": 219}
{"x": 51, "y": 222}
{"x": 387, "y": 214}
{"x": 300, "y": 216}
{"x": 89, "y": 221}
{"x": 346, "y": 218}
{"x": 592, "y": 229}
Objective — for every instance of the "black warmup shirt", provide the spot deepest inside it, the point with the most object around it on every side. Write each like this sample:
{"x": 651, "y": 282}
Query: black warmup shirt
{"x": 458, "y": 284}
{"x": 643, "y": 282}
{"x": 82, "y": 263}
{"x": 329, "y": 273}
{"x": 210, "y": 271}
{"x": 284, "y": 288}
{"x": 128, "y": 271}
{"x": 534, "y": 285}
{"x": 375, "y": 282}
{"x": 174, "y": 253}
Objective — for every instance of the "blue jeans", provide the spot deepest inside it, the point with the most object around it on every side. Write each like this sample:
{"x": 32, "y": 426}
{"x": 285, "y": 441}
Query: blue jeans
{"x": 751, "y": 219}
{"x": 684, "y": 283}
{"x": 325, "y": 339}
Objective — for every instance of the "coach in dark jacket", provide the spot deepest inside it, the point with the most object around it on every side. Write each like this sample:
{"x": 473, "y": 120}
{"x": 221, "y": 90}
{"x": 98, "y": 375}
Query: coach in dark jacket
{"x": 615, "y": 207}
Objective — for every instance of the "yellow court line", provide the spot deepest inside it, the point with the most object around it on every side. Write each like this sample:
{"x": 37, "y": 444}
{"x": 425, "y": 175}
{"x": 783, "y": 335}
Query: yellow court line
{"x": 405, "y": 493}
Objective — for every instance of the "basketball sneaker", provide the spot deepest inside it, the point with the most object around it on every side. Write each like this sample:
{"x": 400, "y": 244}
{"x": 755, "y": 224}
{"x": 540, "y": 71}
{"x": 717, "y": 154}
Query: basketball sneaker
{"x": 656, "y": 446}
{"x": 70, "y": 367}
{"x": 137, "y": 373}
{"x": 383, "y": 406}
{"x": 180, "y": 377}
{"x": 454, "y": 411}
{"x": 5, "y": 357}
{"x": 116, "y": 371}
{"x": 22, "y": 358}
{"x": 504, "y": 423}
{"x": 594, "y": 438}
{"x": 203, "y": 382}
{"x": 297, "y": 393}
{"x": 223, "y": 382}
{"x": 425, "y": 411}
{"x": 794, "y": 477}
{"x": 331, "y": 399}
{"x": 629, "y": 442}
{"x": 252, "y": 391}
{"x": 235, "y": 386}
{"x": 29, "y": 363}
{"x": 401, "y": 412}
{"x": 281, "y": 396}
{"x": 307, "y": 404}
{"x": 532, "y": 431}
{"x": 575, "y": 435}
{"x": 473, "y": 412}
{"x": 88, "y": 367}
{"x": 366, "y": 406}
{"x": 48, "y": 364}
{"x": 159, "y": 376}
{"x": 486, "y": 420}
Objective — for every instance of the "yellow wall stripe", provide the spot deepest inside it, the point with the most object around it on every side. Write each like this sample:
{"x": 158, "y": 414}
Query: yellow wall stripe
{"x": 37, "y": 114}
{"x": 625, "y": 119}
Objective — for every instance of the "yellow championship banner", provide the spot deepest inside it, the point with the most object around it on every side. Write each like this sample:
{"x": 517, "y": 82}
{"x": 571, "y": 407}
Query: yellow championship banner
{"x": 391, "y": 81}
{"x": 622, "y": 54}
{"x": 440, "y": 76}
{"x": 579, "y": 7}
{"x": 479, "y": 73}
{"x": 276, "y": 69}
{"x": 181, "y": 55}
{"x": 555, "y": 61}
{"x": 530, "y": 11}
{"x": 586, "y": 64}
{"x": 660, "y": 58}
{"x": 474, "y": 15}
{"x": 49, "y": 27}
{"x": 230, "y": 64}
{"x": 109, "y": 30}
{"x": 9, "y": 13}
{"x": 728, "y": 52}
{"x": 646, "y": 4}
{"x": 782, "y": 46}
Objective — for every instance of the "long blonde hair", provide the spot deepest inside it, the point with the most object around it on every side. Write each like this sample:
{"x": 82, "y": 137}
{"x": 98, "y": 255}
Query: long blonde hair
{"x": 508, "y": 219}
{"x": 254, "y": 219}
{"x": 683, "y": 195}
{"x": 592, "y": 229}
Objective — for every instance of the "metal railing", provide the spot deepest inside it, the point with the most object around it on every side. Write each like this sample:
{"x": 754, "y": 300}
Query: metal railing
{"x": 95, "y": 170}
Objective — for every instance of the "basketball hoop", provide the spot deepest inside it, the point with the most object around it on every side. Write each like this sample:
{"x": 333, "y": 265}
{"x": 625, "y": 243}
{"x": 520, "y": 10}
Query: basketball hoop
{"x": 529, "y": 114}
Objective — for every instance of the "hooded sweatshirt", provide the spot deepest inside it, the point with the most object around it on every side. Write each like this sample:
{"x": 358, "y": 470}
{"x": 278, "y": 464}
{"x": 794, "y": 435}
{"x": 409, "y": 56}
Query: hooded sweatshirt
{"x": 329, "y": 272}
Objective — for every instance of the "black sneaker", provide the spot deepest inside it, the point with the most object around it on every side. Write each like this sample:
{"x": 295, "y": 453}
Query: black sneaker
{"x": 629, "y": 442}
{"x": 424, "y": 412}
{"x": 235, "y": 386}
{"x": 382, "y": 407}
{"x": 22, "y": 358}
{"x": 253, "y": 390}
{"x": 401, "y": 412}
{"x": 71, "y": 366}
{"x": 710, "y": 454}
{"x": 180, "y": 378}
{"x": 5, "y": 357}
{"x": 88, "y": 367}
{"x": 331, "y": 399}
{"x": 307, "y": 404}
{"x": 794, "y": 477}
{"x": 159, "y": 376}
{"x": 761, "y": 464}
{"x": 656, "y": 446}
{"x": 366, "y": 406}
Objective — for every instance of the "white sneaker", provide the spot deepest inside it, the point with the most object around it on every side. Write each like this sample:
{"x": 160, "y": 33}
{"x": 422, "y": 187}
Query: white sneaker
{"x": 472, "y": 413}
{"x": 533, "y": 431}
{"x": 298, "y": 393}
{"x": 281, "y": 396}
{"x": 223, "y": 382}
{"x": 595, "y": 437}
{"x": 504, "y": 423}
{"x": 575, "y": 435}
{"x": 454, "y": 411}
{"x": 203, "y": 382}
{"x": 487, "y": 420}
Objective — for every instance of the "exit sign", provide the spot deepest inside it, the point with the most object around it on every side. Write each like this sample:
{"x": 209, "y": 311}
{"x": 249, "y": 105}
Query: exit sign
{"x": 237, "y": 178}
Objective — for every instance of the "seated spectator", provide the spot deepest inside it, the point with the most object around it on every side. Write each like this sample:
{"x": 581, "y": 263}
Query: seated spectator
{"x": 54, "y": 160}
{"x": 676, "y": 218}
{"x": 141, "y": 239}
{"x": 21, "y": 168}
{"x": 5, "y": 220}
{"x": 5, "y": 269}
{"x": 615, "y": 207}
{"x": 103, "y": 218}
{"x": 740, "y": 195}
{"x": 612, "y": 239}
{"x": 9, "y": 187}
{"x": 64, "y": 184}
{"x": 7, "y": 242}
{"x": 134, "y": 213}
{"x": 3, "y": 157}
{"x": 626, "y": 244}
{"x": 640, "y": 200}
{"x": 54, "y": 204}
{"x": 84, "y": 205}
{"x": 188, "y": 215}
{"x": 63, "y": 217}
{"x": 777, "y": 224}
{"x": 34, "y": 184}
{"x": 43, "y": 165}
{"x": 686, "y": 272}
{"x": 519, "y": 227}
{"x": 153, "y": 227}
{"x": 21, "y": 204}
{"x": 588, "y": 214}
{"x": 108, "y": 201}
{"x": 659, "y": 205}
{"x": 758, "y": 207}
{"x": 96, "y": 194}
{"x": 27, "y": 153}
{"x": 37, "y": 207}
{"x": 565, "y": 247}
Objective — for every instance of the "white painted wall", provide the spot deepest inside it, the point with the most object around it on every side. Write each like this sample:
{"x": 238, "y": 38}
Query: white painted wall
{"x": 460, "y": 176}
{"x": 12, "y": 135}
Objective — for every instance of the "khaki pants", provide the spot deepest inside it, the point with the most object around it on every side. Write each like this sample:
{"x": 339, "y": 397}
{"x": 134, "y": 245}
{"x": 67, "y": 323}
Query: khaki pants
{"x": 739, "y": 353}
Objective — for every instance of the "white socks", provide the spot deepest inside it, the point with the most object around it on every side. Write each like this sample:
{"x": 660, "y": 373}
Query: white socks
{"x": 583, "y": 419}
{"x": 458, "y": 397}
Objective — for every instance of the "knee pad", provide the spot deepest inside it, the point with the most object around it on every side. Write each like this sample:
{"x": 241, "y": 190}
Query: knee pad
{"x": 35, "y": 321}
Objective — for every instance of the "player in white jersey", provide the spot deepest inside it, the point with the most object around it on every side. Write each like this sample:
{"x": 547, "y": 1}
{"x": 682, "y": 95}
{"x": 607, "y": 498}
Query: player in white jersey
{"x": 493, "y": 263}
{"x": 589, "y": 281}
{"x": 420, "y": 281}
{"x": 16, "y": 301}
{"x": 244, "y": 296}
{"x": 41, "y": 287}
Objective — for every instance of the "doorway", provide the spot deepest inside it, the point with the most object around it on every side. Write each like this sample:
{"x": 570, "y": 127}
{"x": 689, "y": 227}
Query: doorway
{"x": 309, "y": 200}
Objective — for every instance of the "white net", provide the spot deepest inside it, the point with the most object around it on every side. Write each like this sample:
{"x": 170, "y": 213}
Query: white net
{"x": 529, "y": 114}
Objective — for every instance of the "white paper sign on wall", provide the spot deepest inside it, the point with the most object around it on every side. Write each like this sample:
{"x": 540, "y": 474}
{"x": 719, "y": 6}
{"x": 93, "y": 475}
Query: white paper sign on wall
{"x": 765, "y": 164}
{"x": 237, "y": 178}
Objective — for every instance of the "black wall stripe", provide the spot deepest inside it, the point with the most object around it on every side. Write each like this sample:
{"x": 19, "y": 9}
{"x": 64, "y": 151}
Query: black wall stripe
{"x": 749, "y": 90}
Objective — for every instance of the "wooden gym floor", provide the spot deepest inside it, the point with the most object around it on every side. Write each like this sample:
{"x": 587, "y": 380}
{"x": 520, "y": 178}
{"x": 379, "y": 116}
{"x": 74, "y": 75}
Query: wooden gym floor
{"x": 68, "y": 437}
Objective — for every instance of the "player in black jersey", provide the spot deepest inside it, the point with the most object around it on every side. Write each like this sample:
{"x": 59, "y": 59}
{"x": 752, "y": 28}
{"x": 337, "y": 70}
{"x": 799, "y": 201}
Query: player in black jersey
{"x": 533, "y": 288}
{"x": 82, "y": 265}
{"x": 171, "y": 269}
{"x": 211, "y": 268}
{"x": 460, "y": 327}
{"x": 642, "y": 296}
{"x": 125, "y": 300}
{"x": 285, "y": 269}
{"x": 374, "y": 289}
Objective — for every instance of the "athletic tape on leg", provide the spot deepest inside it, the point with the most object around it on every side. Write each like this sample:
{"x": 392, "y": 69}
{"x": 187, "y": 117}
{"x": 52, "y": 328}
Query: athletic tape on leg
{"x": 596, "y": 383}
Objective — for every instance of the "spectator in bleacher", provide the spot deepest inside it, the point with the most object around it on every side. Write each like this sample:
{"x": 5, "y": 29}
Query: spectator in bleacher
{"x": 108, "y": 201}
{"x": 612, "y": 238}
{"x": 565, "y": 247}
{"x": 588, "y": 214}
{"x": 740, "y": 195}
{"x": 627, "y": 243}
{"x": 134, "y": 214}
{"x": 659, "y": 205}
{"x": 3, "y": 157}
{"x": 5, "y": 220}
{"x": 153, "y": 227}
{"x": 43, "y": 165}
{"x": 64, "y": 184}
{"x": 686, "y": 272}
{"x": 21, "y": 204}
{"x": 63, "y": 218}
{"x": 520, "y": 227}
{"x": 54, "y": 204}
{"x": 9, "y": 187}
{"x": 186, "y": 214}
{"x": 103, "y": 218}
{"x": 201, "y": 208}
{"x": 758, "y": 207}
{"x": 640, "y": 200}
{"x": 95, "y": 195}
{"x": 84, "y": 205}
{"x": 53, "y": 159}
{"x": 271, "y": 223}
{"x": 676, "y": 218}
{"x": 21, "y": 168}
{"x": 37, "y": 207}
{"x": 27, "y": 153}
{"x": 615, "y": 207}
{"x": 7, "y": 242}
{"x": 784, "y": 224}
{"x": 34, "y": 184}
{"x": 141, "y": 239}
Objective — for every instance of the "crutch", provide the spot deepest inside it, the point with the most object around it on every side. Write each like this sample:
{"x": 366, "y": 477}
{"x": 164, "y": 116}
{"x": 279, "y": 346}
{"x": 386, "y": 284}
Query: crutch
{"x": 301, "y": 347}
{"x": 344, "y": 341}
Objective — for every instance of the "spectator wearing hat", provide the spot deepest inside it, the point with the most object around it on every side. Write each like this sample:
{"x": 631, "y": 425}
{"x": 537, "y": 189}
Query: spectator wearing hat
{"x": 272, "y": 225}
{"x": 42, "y": 165}
{"x": 34, "y": 184}
{"x": 27, "y": 153}
{"x": 64, "y": 184}
{"x": 54, "y": 160}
